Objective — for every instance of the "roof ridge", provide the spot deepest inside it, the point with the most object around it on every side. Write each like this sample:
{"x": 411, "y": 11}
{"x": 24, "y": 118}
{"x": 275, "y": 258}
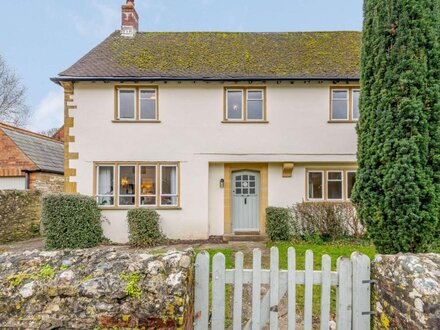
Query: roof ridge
{"x": 27, "y": 132}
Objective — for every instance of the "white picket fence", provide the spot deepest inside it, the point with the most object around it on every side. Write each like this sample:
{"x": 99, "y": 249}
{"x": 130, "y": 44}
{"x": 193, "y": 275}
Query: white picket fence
{"x": 351, "y": 279}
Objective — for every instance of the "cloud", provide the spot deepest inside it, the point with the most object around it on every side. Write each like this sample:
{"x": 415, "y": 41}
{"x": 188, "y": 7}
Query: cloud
{"x": 49, "y": 113}
{"x": 105, "y": 19}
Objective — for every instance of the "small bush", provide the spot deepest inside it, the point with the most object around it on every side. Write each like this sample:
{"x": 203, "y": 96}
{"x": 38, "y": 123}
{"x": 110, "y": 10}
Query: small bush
{"x": 326, "y": 220}
{"x": 71, "y": 222}
{"x": 279, "y": 224}
{"x": 144, "y": 228}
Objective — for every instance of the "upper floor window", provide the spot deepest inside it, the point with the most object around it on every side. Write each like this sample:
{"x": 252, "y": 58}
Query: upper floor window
{"x": 137, "y": 184}
{"x": 136, "y": 104}
{"x": 344, "y": 105}
{"x": 245, "y": 105}
{"x": 330, "y": 185}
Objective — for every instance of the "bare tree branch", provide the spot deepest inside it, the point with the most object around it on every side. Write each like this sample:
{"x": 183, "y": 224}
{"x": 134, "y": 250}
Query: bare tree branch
{"x": 13, "y": 109}
{"x": 50, "y": 132}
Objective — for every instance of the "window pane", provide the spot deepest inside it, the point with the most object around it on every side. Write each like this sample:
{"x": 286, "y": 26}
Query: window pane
{"x": 315, "y": 185}
{"x": 235, "y": 104}
{"x": 356, "y": 95}
{"x": 127, "y": 184}
{"x": 148, "y": 200}
{"x": 168, "y": 200}
{"x": 105, "y": 180}
{"x": 169, "y": 180}
{"x": 255, "y": 95}
{"x": 351, "y": 180}
{"x": 126, "y": 104}
{"x": 148, "y": 104}
{"x": 255, "y": 110}
{"x": 148, "y": 180}
{"x": 334, "y": 185}
{"x": 340, "y": 105}
{"x": 106, "y": 200}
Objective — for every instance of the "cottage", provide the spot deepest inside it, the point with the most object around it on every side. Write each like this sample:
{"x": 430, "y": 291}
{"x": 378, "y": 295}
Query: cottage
{"x": 210, "y": 128}
{"x": 30, "y": 161}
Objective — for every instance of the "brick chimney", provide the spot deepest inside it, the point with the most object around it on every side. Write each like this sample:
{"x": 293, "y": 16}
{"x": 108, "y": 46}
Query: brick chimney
{"x": 130, "y": 19}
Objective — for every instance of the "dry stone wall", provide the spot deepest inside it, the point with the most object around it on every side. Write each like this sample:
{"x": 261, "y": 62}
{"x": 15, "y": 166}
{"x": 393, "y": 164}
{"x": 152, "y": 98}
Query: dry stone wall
{"x": 407, "y": 294}
{"x": 96, "y": 289}
{"x": 20, "y": 215}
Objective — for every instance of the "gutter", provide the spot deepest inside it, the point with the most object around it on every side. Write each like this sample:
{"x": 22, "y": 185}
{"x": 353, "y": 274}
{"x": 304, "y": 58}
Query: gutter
{"x": 60, "y": 79}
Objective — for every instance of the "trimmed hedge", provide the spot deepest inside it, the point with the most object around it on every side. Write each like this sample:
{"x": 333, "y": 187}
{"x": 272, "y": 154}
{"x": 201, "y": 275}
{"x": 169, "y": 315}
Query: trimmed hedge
{"x": 279, "y": 224}
{"x": 71, "y": 222}
{"x": 144, "y": 228}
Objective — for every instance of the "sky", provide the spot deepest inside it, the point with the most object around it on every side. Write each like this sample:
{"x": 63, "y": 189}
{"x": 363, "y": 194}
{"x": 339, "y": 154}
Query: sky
{"x": 40, "y": 38}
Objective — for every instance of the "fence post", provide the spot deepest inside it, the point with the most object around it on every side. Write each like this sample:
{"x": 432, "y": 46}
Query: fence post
{"x": 218, "y": 292}
{"x": 344, "y": 294}
{"x": 325, "y": 291}
{"x": 361, "y": 291}
{"x": 201, "y": 296}
{"x": 238, "y": 291}
{"x": 291, "y": 288}
{"x": 274, "y": 278}
{"x": 256, "y": 289}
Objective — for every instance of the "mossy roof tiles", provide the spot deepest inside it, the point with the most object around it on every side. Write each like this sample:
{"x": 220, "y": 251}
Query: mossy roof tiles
{"x": 223, "y": 55}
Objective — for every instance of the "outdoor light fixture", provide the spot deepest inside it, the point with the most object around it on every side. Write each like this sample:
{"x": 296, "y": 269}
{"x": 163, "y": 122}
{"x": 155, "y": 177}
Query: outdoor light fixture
{"x": 222, "y": 183}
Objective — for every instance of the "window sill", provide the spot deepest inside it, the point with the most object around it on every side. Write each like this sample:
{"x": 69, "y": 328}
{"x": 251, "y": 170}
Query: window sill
{"x": 135, "y": 121}
{"x": 336, "y": 201}
{"x": 124, "y": 208}
{"x": 342, "y": 121}
{"x": 245, "y": 121}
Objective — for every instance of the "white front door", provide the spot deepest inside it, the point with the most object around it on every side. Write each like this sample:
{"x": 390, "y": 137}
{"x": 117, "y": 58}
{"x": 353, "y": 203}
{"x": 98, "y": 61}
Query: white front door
{"x": 246, "y": 201}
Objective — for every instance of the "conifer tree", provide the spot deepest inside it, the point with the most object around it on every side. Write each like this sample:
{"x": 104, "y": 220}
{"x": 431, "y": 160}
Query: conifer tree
{"x": 397, "y": 192}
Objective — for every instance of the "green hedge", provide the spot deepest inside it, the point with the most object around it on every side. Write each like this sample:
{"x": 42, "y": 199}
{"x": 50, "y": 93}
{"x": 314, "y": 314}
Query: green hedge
{"x": 279, "y": 224}
{"x": 144, "y": 228}
{"x": 71, "y": 222}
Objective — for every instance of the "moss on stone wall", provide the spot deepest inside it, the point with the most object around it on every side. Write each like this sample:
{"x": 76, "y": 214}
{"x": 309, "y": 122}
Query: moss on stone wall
{"x": 20, "y": 215}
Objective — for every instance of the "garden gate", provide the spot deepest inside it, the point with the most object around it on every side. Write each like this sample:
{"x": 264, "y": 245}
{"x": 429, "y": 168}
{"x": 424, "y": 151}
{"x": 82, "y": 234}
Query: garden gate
{"x": 351, "y": 280}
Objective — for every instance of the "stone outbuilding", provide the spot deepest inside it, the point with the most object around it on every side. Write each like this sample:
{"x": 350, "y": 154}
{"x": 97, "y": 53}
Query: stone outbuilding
{"x": 30, "y": 160}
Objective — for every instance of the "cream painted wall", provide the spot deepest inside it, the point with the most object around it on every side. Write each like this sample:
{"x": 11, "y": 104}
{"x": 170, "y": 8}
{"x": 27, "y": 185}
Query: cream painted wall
{"x": 191, "y": 132}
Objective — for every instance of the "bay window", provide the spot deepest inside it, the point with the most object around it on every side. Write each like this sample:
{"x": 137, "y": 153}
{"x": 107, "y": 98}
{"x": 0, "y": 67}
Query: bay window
{"x": 133, "y": 184}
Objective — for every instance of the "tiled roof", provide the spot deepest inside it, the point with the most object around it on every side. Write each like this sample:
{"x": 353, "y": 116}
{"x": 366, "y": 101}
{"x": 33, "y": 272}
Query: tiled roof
{"x": 46, "y": 153}
{"x": 223, "y": 55}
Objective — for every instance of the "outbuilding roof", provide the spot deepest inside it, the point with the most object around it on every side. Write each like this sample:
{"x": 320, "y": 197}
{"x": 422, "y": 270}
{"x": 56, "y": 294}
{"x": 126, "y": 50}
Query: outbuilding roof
{"x": 46, "y": 153}
{"x": 222, "y": 56}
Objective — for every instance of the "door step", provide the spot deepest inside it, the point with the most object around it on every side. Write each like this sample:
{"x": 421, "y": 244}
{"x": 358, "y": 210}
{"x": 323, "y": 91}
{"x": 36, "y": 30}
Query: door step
{"x": 244, "y": 238}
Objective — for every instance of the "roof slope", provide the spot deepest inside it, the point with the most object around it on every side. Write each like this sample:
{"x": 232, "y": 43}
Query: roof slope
{"x": 223, "y": 55}
{"x": 45, "y": 152}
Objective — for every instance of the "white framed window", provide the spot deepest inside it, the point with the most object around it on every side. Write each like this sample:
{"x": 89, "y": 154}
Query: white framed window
{"x": 351, "y": 180}
{"x": 127, "y": 104}
{"x": 147, "y": 185}
{"x": 147, "y": 104}
{"x": 355, "y": 103}
{"x": 315, "y": 185}
{"x": 255, "y": 104}
{"x": 334, "y": 185}
{"x": 127, "y": 185}
{"x": 339, "y": 104}
{"x": 105, "y": 183}
{"x": 234, "y": 104}
{"x": 168, "y": 185}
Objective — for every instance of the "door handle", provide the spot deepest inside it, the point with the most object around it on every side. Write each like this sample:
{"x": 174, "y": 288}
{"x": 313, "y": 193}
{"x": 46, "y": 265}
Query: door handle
{"x": 245, "y": 200}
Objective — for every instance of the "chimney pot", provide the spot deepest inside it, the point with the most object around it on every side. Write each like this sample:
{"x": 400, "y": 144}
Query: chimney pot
{"x": 130, "y": 19}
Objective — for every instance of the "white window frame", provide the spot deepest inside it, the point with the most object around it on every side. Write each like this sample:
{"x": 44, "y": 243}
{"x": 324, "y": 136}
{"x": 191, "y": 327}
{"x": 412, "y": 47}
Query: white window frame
{"x": 262, "y": 103}
{"x": 322, "y": 185}
{"x": 177, "y": 186}
{"x": 97, "y": 187}
{"x": 155, "y": 103}
{"x": 348, "y": 104}
{"x": 134, "y": 102}
{"x": 352, "y": 102}
{"x": 119, "y": 182}
{"x": 242, "y": 103}
{"x": 346, "y": 184}
{"x": 140, "y": 187}
{"x": 333, "y": 180}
